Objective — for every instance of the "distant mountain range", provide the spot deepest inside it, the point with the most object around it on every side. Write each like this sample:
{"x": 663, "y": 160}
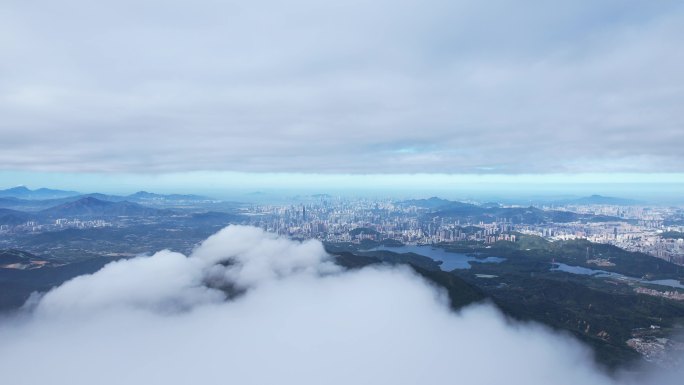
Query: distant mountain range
{"x": 435, "y": 203}
{"x": 598, "y": 200}
{"x": 144, "y": 195}
{"x": 90, "y": 206}
{"x": 475, "y": 213}
{"x": 83, "y": 207}
{"x": 20, "y": 205}
{"x": 22, "y": 192}
{"x": 24, "y": 199}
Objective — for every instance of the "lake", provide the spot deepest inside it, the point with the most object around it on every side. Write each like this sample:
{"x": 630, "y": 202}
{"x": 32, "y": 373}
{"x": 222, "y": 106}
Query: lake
{"x": 605, "y": 274}
{"x": 583, "y": 270}
{"x": 450, "y": 261}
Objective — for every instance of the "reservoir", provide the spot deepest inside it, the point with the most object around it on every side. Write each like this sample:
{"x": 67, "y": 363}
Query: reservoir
{"x": 583, "y": 270}
{"x": 450, "y": 261}
{"x": 605, "y": 274}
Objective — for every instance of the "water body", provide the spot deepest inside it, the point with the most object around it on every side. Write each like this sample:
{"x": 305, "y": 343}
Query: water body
{"x": 605, "y": 274}
{"x": 582, "y": 270}
{"x": 666, "y": 282}
{"x": 450, "y": 261}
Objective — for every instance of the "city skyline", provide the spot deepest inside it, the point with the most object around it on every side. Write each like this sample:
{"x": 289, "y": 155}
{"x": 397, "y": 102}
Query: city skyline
{"x": 654, "y": 187}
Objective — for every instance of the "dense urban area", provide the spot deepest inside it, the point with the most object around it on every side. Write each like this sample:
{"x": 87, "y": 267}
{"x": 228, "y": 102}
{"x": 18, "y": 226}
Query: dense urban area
{"x": 651, "y": 229}
{"x": 635, "y": 228}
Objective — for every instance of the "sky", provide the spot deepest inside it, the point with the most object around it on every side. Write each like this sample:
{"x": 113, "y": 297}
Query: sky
{"x": 301, "y": 319}
{"x": 128, "y": 90}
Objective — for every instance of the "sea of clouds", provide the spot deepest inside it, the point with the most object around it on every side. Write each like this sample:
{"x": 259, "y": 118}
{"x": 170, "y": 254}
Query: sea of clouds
{"x": 249, "y": 307}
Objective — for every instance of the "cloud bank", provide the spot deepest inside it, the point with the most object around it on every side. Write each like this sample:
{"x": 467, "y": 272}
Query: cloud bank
{"x": 302, "y": 320}
{"x": 342, "y": 87}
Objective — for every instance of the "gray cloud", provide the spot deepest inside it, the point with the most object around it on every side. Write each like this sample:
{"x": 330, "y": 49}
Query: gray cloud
{"x": 154, "y": 320}
{"x": 406, "y": 86}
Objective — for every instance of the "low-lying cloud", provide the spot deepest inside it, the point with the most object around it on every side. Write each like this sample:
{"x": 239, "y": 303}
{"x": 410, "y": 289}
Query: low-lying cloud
{"x": 299, "y": 319}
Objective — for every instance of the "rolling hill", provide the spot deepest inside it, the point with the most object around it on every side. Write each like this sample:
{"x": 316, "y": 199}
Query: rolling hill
{"x": 13, "y": 217}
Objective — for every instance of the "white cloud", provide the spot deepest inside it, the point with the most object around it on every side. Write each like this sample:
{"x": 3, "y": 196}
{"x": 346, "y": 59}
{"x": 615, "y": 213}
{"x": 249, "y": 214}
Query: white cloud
{"x": 257, "y": 256}
{"x": 166, "y": 281}
{"x": 300, "y": 322}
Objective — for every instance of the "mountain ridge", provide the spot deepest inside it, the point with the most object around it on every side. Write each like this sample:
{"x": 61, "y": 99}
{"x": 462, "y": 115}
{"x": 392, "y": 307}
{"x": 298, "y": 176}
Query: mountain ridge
{"x": 23, "y": 192}
{"x": 97, "y": 207}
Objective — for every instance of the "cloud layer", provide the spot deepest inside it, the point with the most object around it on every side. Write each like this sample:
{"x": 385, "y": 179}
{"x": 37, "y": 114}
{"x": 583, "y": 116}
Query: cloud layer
{"x": 301, "y": 321}
{"x": 302, "y": 86}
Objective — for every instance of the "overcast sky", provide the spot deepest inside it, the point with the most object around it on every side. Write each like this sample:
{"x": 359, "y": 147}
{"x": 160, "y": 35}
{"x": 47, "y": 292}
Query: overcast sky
{"x": 349, "y": 87}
